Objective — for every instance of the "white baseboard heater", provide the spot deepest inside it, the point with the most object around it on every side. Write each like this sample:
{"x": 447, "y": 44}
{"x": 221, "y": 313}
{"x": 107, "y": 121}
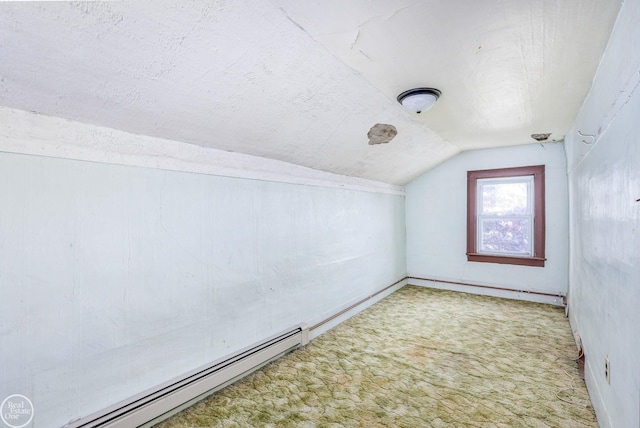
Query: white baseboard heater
{"x": 172, "y": 396}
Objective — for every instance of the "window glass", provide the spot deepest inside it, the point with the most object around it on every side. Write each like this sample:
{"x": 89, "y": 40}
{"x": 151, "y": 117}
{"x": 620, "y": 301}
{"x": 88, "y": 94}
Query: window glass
{"x": 504, "y": 198}
{"x": 505, "y": 215}
{"x": 505, "y": 235}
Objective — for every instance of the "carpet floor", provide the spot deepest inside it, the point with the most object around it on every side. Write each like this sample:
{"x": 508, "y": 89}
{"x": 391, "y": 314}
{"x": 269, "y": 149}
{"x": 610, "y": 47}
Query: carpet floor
{"x": 419, "y": 358}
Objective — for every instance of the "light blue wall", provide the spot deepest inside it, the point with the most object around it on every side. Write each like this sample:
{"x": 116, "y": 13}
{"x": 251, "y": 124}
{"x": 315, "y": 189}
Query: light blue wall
{"x": 604, "y": 179}
{"x": 436, "y": 206}
{"x": 115, "y": 279}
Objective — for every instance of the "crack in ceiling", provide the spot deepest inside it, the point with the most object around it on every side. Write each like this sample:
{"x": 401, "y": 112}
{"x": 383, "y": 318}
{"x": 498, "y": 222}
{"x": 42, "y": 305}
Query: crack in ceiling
{"x": 299, "y": 81}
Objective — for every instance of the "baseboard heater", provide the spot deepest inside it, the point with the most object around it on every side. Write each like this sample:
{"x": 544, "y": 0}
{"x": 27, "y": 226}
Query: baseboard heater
{"x": 195, "y": 385}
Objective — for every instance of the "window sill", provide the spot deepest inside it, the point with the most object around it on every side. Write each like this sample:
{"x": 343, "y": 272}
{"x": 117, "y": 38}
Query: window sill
{"x": 509, "y": 260}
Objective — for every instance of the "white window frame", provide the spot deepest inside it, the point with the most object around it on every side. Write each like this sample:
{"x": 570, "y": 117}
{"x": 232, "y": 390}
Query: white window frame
{"x": 481, "y": 217}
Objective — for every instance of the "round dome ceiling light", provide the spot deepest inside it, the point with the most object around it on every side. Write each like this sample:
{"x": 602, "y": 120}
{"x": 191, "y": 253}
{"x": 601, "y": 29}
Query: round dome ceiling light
{"x": 419, "y": 99}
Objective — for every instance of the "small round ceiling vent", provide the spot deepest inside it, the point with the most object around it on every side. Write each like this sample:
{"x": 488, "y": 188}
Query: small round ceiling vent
{"x": 540, "y": 137}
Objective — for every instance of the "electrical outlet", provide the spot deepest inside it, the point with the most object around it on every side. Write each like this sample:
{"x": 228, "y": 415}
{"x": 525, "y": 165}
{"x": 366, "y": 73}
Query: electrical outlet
{"x": 607, "y": 370}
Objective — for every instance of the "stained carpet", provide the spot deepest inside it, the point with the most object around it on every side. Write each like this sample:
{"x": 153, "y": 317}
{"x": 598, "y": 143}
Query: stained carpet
{"x": 419, "y": 358}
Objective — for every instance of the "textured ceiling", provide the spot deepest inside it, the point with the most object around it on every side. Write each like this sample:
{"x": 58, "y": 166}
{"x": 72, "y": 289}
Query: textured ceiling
{"x": 304, "y": 81}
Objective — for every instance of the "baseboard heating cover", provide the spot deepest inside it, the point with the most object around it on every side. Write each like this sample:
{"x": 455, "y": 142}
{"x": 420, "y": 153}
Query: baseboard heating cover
{"x": 147, "y": 406}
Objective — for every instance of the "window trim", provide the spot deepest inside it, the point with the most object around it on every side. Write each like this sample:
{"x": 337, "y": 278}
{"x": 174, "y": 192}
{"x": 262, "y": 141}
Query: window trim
{"x": 538, "y": 257}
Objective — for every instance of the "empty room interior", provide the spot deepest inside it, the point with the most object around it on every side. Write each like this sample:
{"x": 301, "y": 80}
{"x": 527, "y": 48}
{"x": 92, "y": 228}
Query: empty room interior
{"x": 320, "y": 213}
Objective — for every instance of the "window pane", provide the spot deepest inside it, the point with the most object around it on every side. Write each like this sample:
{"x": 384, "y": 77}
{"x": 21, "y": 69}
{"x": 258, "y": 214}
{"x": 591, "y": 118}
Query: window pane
{"x": 504, "y": 198}
{"x": 505, "y": 236}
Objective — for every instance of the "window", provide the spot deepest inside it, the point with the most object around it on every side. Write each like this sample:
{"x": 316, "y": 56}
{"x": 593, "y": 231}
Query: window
{"x": 505, "y": 216}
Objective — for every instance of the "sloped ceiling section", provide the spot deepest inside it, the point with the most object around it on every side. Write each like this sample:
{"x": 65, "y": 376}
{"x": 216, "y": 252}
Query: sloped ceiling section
{"x": 507, "y": 69}
{"x": 304, "y": 81}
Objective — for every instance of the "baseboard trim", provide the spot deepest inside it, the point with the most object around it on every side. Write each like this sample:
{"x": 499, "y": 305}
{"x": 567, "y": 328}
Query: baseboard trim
{"x": 351, "y": 309}
{"x": 602, "y": 415}
{"x": 595, "y": 393}
{"x": 489, "y": 290}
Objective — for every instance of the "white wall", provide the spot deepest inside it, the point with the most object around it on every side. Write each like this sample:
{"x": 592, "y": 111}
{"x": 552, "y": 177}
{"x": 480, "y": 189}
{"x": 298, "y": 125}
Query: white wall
{"x": 117, "y": 278}
{"x": 437, "y": 218}
{"x": 604, "y": 179}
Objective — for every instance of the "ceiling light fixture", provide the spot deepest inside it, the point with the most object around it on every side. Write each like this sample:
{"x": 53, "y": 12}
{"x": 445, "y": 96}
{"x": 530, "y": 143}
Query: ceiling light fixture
{"x": 419, "y": 99}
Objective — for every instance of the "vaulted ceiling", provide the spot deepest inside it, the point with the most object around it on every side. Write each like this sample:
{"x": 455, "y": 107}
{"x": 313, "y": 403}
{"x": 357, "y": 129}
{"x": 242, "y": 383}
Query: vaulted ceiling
{"x": 304, "y": 80}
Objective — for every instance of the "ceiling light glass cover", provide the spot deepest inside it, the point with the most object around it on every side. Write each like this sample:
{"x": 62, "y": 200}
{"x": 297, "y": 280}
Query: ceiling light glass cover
{"x": 419, "y": 99}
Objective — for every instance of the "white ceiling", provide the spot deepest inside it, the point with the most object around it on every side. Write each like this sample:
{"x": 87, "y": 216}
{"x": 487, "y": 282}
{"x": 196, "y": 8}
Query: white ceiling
{"x": 304, "y": 80}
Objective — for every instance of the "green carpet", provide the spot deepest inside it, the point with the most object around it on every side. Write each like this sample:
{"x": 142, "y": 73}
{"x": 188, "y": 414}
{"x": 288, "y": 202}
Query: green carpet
{"x": 419, "y": 358}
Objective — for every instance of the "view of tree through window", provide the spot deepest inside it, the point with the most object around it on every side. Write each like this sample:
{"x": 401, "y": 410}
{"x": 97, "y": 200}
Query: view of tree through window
{"x": 504, "y": 198}
{"x": 505, "y": 224}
